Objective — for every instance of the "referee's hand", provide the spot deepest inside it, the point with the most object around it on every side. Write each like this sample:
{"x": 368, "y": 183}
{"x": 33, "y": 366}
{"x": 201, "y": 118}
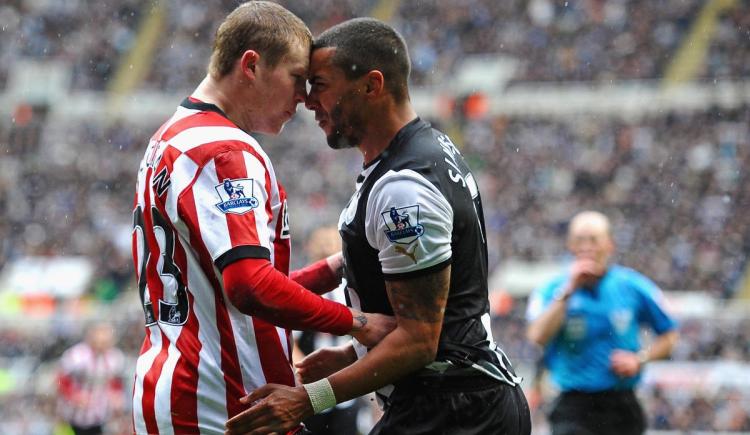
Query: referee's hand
{"x": 624, "y": 363}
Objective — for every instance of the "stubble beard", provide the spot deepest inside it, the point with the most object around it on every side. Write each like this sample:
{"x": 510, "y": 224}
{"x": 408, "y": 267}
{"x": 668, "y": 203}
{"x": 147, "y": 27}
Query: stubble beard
{"x": 338, "y": 140}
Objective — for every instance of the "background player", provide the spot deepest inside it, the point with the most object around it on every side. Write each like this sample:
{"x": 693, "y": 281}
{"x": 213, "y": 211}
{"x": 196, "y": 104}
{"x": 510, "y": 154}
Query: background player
{"x": 589, "y": 323}
{"x": 90, "y": 381}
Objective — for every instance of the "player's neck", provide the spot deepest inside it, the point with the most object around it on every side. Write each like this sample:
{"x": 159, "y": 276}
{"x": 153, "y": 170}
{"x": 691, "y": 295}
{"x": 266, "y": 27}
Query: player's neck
{"x": 216, "y": 92}
{"x": 381, "y": 132}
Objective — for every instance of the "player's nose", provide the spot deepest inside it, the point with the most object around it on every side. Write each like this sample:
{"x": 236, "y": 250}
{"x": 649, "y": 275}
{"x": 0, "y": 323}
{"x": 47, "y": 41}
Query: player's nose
{"x": 311, "y": 101}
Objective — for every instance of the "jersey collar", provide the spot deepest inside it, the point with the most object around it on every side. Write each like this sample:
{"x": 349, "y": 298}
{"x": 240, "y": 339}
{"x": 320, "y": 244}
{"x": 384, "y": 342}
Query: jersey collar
{"x": 404, "y": 134}
{"x": 193, "y": 103}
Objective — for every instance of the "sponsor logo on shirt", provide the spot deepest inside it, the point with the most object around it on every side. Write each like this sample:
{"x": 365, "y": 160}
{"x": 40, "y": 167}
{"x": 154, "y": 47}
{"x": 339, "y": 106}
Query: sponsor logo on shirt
{"x": 620, "y": 320}
{"x": 402, "y": 224}
{"x": 236, "y": 196}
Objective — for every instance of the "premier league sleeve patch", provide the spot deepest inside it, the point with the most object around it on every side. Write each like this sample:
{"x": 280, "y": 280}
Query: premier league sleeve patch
{"x": 402, "y": 224}
{"x": 236, "y": 196}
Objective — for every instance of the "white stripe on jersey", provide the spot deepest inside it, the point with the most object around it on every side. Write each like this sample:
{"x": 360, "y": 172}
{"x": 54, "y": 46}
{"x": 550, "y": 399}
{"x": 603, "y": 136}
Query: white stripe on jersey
{"x": 183, "y": 172}
{"x": 145, "y": 361}
{"x": 211, "y": 387}
{"x": 162, "y": 400}
{"x": 283, "y": 339}
{"x": 212, "y": 222}
{"x": 247, "y": 349}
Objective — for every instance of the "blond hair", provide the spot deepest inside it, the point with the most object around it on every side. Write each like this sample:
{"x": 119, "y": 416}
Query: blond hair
{"x": 262, "y": 26}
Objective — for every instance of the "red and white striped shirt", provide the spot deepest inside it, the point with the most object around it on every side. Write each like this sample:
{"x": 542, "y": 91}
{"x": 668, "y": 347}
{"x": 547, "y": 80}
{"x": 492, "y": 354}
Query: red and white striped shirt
{"x": 207, "y": 195}
{"x": 90, "y": 384}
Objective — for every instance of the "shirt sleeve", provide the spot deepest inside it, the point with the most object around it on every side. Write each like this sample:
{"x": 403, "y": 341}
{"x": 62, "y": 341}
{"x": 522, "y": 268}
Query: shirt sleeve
{"x": 410, "y": 223}
{"x": 653, "y": 310}
{"x": 541, "y": 298}
{"x": 228, "y": 208}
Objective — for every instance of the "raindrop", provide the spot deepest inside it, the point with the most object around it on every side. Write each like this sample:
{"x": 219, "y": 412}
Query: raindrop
{"x": 566, "y": 4}
{"x": 354, "y": 67}
{"x": 726, "y": 199}
{"x": 518, "y": 149}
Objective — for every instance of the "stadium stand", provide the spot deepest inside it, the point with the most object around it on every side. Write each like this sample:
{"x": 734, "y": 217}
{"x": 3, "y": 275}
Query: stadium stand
{"x": 672, "y": 179}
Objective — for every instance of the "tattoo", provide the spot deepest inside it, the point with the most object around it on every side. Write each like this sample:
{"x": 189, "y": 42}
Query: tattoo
{"x": 421, "y": 298}
{"x": 362, "y": 319}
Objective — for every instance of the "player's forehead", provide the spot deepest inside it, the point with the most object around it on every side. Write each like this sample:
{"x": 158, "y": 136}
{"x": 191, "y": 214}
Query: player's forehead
{"x": 589, "y": 225}
{"x": 321, "y": 62}
{"x": 297, "y": 57}
{"x": 593, "y": 233}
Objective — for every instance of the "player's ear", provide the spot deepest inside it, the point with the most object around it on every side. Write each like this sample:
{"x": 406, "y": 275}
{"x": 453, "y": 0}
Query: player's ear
{"x": 248, "y": 62}
{"x": 374, "y": 83}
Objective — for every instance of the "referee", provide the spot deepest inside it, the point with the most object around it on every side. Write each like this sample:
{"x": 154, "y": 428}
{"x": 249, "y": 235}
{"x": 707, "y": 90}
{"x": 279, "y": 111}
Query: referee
{"x": 589, "y": 323}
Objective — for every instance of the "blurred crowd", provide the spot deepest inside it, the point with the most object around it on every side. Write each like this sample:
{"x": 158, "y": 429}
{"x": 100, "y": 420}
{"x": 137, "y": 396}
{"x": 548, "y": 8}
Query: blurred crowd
{"x": 553, "y": 40}
{"x": 729, "y": 46}
{"x": 67, "y": 189}
{"x": 601, "y": 40}
{"x": 673, "y": 186}
{"x": 92, "y": 37}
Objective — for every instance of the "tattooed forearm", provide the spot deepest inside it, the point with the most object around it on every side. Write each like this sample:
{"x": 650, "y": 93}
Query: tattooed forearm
{"x": 422, "y": 298}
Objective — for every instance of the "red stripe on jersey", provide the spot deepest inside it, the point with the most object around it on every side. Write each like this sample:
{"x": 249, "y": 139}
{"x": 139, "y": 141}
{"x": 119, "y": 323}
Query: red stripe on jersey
{"x": 156, "y": 291}
{"x": 183, "y": 398}
{"x": 210, "y": 150}
{"x": 160, "y": 131}
{"x": 200, "y": 119}
{"x": 229, "y": 357}
{"x": 276, "y": 366}
{"x": 149, "y": 386}
{"x": 242, "y": 227}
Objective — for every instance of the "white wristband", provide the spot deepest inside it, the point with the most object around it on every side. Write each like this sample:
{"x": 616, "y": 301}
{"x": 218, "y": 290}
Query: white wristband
{"x": 321, "y": 395}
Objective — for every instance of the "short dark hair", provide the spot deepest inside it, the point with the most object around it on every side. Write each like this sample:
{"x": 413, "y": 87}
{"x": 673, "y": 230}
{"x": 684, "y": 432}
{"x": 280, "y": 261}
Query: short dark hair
{"x": 366, "y": 44}
{"x": 263, "y": 26}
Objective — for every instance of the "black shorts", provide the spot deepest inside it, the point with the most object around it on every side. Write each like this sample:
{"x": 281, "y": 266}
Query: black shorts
{"x": 606, "y": 412}
{"x": 95, "y": 429}
{"x": 476, "y": 405}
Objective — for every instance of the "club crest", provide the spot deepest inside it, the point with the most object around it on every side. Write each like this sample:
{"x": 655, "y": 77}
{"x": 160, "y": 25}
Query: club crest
{"x": 402, "y": 224}
{"x": 236, "y": 196}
